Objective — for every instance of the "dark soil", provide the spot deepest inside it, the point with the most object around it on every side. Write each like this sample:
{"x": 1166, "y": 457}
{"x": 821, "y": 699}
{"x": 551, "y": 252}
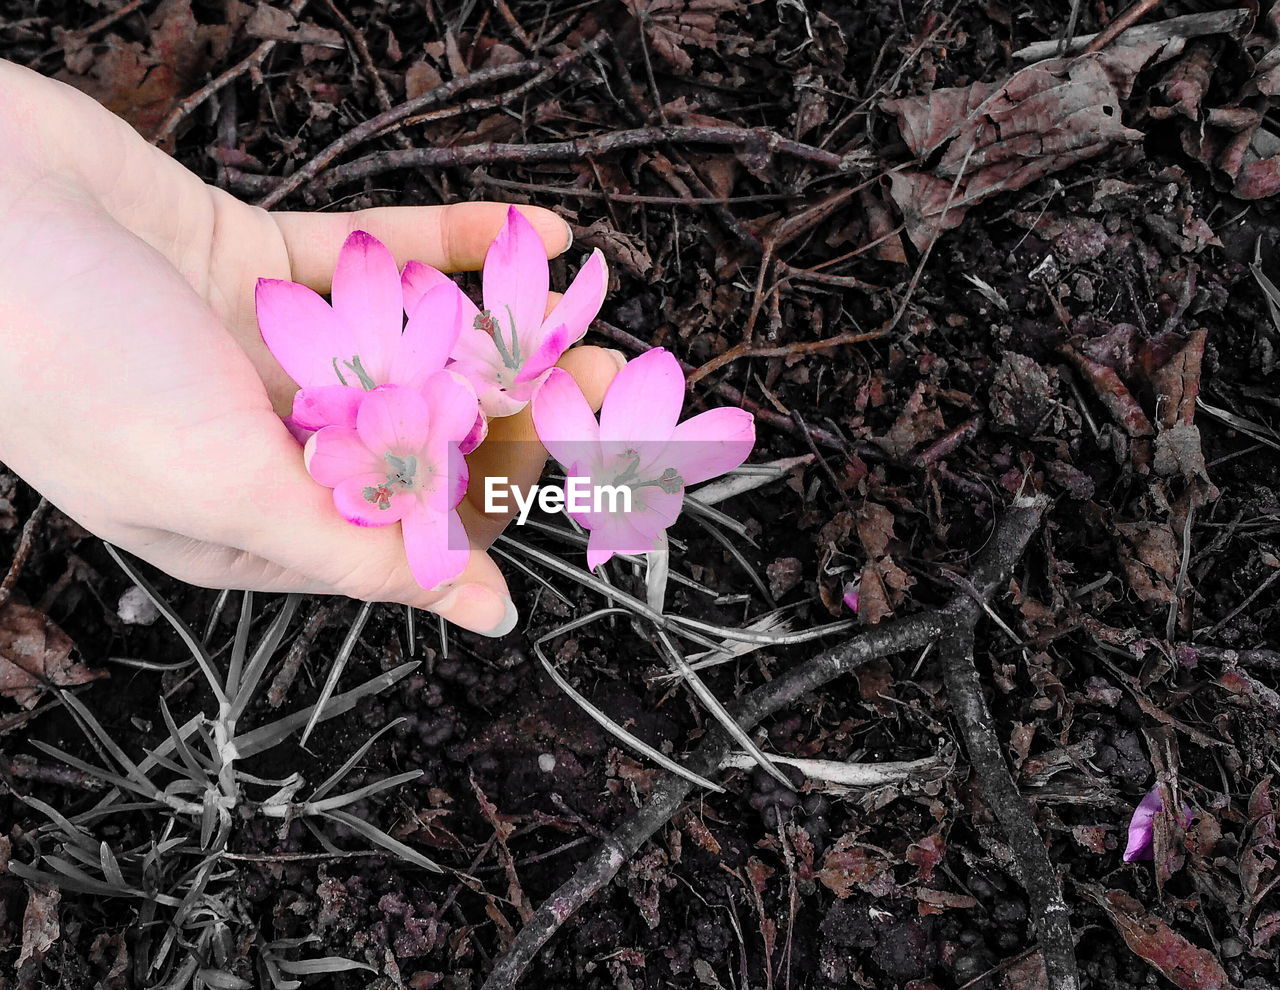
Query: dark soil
{"x": 1118, "y": 635}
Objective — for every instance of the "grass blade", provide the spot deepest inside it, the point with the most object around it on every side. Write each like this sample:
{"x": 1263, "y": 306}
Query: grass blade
{"x": 351, "y": 761}
{"x": 267, "y": 647}
{"x": 603, "y": 720}
{"x": 339, "y": 664}
{"x": 264, "y": 737}
{"x": 240, "y": 645}
{"x": 380, "y": 838}
{"x": 721, "y": 714}
{"x": 175, "y": 620}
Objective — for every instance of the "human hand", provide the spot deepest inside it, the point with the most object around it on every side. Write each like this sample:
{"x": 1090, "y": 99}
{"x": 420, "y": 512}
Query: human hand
{"x": 136, "y": 392}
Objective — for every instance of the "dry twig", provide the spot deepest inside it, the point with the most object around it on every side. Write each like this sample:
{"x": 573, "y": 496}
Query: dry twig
{"x": 1122, "y": 22}
{"x": 573, "y": 149}
{"x": 26, "y": 542}
{"x": 374, "y": 126}
{"x": 990, "y": 574}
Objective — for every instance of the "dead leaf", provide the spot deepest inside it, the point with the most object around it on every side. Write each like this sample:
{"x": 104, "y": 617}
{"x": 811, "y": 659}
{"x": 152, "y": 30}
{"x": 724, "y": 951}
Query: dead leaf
{"x": 926, "y": 854}
{"x": 1181, "y": 962}
{"x": 40, "y": 928}
{"x": 883, "y": 581}
{"x": 1150, "y": 557}
{"x": 1260, "y": 853}
{"x": 419, "y": 78}
{"x": 999, "y": 138}
{"x": 269, "y": 23}
{"x": 918, "y": 423}
{"x": 144, "y": 84}
{"x": 672, "y": 24}
{"x": 784, "y": 574}
{"x": 34, "y": 653}
{"x": 1026, "y": 974}
{"x": 847, "y": 866}
{"x": 624, "y": 250}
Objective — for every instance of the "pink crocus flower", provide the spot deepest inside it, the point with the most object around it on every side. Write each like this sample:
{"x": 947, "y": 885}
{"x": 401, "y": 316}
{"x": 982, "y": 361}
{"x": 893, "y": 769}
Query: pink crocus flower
{"x": 1142, "y": 826}
{"x": 852, "y": 595}
{"x": 338, "y": 352}
{"x": 401, "y": 462}
{"x": 507, "y": 349}
{"x": 637, "y": 444}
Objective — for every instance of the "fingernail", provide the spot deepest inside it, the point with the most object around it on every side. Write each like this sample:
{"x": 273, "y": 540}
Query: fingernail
{"x": 568, "y": 233}
{"x": 619, "y": 358}
{"x": 480, "y": 609}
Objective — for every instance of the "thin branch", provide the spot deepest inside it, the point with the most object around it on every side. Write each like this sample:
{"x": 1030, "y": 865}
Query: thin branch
{"x": 574, "y": 149}
{"x": 1122, "y": 22}
{"x": 25, "y": 543}
{"x": 374, "y": 126}
{"x": 1049, "y": 911}
{"x": 991, "y": 572}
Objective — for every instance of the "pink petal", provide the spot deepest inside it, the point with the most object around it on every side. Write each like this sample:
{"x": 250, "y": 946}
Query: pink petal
{"x": 349, "y": 497}
{"x": 367, "y": 296}
{"x": 548, "y": 353}
{"x": 644, "y": 400}
{"x": 435, "y": 544}
{"x": 516, "y": 276}
{"x": 583, "y": 299}
{"x": 417, "y": 280}
{"x": 299, "y": 433}
{"x": 614, "y": 534}
{"x": 301, "y": 330}
{"x": 430, "y": 335}
{"x": 451, "y": 406}
{"x": 337, "y": 453}
{"x": 712, "y": 443}
{"x": 393, "y": 418}
{"x": 1142, "y": 827}
{"x": 852, "y": 595}
{"x": 653, "y": 510}
{"x": 564, "y": 422}
{"x": 476, "y": 348}
{"x": 459, "y": 476}
{"x": 319, "y": 406}
{"x": 477, "y": 434}
{"x": 495, "y": 401}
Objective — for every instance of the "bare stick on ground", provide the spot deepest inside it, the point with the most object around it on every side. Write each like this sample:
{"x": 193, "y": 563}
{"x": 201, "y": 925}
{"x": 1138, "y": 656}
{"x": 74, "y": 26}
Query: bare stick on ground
{"x": 25, "y": 543}
{"x": 1122, "y": 22}
{"x": 574, "y": 149}
{"x": 374, "y": 126}
{"x": 1049, "y": 911}
{"x": 990, "y": 574}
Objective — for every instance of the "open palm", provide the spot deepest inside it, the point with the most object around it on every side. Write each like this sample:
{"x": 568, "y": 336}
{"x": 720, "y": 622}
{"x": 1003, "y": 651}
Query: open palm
{"x": 137, "y": 393}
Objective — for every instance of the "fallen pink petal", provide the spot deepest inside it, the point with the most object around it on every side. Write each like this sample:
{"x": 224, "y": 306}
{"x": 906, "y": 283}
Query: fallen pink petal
{"x": 637, "y": 445}
{"x": 508, "y": 348}
{"x": 1142, "y": 826}
{"x": 851, "y": 595}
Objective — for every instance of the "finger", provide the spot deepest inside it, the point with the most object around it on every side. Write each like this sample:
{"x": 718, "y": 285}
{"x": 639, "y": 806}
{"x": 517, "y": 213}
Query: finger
{"x": 258, "y": 497}
{"x": 452, "y": 238}
{"x": 209, "y": 565}
{"x": 512, "y": 451}
{"x": 472, "y": 604}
